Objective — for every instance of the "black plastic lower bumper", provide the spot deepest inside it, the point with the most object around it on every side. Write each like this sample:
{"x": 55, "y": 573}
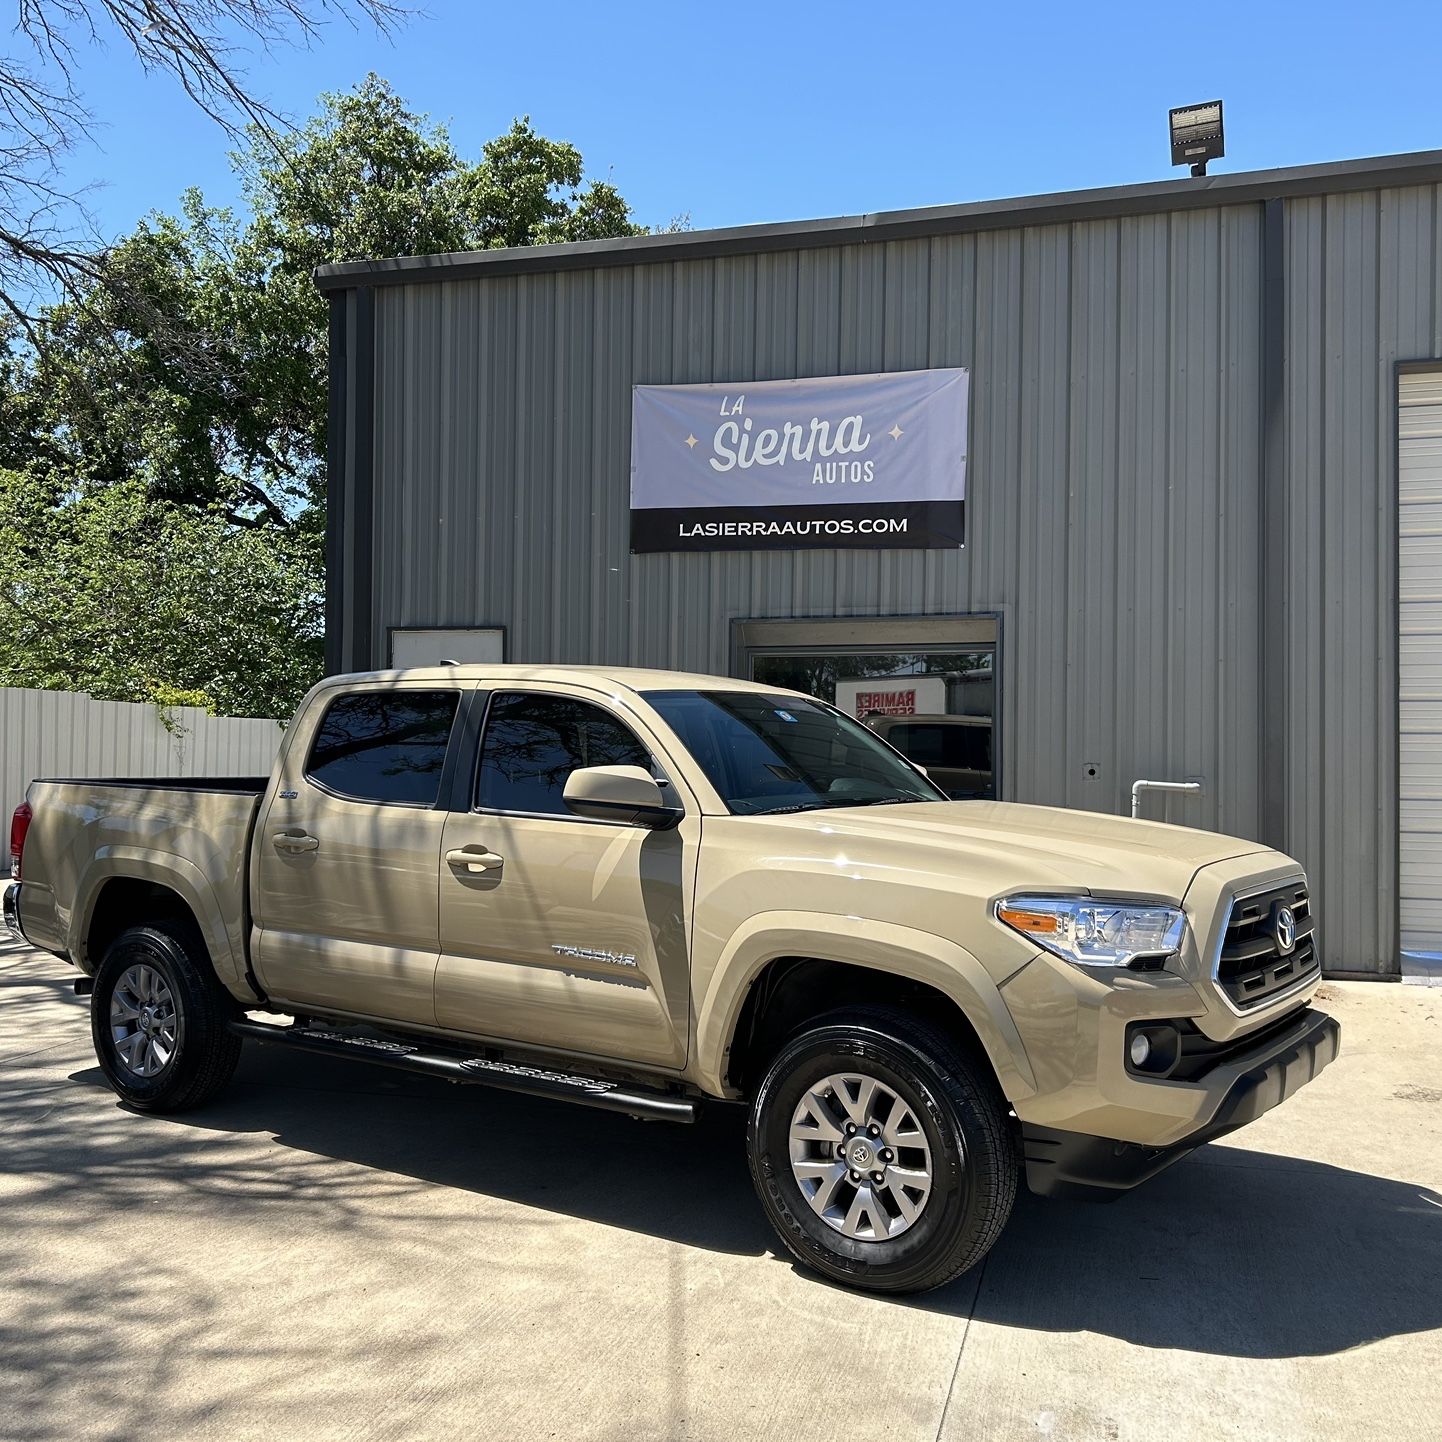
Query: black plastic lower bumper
{"x": 1075, "y": 1165}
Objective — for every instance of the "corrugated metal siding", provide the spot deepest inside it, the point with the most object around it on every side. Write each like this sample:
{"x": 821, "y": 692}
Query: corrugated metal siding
{"x": 1364, "y": 276}
{"x": 66, "y": 733}
{"x": 1114, "y": 403}
{"x": 1114, "y": 474}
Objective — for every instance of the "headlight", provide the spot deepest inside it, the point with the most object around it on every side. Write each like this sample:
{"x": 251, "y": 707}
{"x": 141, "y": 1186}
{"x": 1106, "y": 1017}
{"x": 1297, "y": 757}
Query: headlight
{"x": 1095, "y": 933}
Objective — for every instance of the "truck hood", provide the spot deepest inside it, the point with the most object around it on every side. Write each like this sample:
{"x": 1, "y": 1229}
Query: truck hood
{"x": 1042, "y": 847}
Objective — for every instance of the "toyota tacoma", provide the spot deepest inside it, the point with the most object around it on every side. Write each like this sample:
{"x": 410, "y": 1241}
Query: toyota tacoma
{"x": 646, "y": 891}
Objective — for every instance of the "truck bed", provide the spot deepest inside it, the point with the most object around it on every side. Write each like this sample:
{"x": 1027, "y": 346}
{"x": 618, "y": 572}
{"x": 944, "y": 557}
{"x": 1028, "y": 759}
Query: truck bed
{"x": 246, "y": 785}
{"x": 189, "y": 834}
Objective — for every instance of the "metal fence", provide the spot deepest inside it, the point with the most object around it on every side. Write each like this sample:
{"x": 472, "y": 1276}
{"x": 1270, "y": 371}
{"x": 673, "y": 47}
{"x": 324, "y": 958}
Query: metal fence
{"x": 66, "y": 733}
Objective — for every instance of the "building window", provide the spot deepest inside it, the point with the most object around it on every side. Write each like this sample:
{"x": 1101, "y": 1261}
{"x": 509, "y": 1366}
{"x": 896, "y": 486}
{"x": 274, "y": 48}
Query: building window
{"x": 466, "y": 645}
{"x": 927, "y": 685}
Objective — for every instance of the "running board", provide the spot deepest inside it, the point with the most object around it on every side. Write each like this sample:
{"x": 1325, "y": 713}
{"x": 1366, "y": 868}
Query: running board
{"x": 586, "y": 1091}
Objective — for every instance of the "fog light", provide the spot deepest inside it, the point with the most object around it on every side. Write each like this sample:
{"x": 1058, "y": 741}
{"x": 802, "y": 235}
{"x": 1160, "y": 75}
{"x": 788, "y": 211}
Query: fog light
{"x": 1141, "y": 1048}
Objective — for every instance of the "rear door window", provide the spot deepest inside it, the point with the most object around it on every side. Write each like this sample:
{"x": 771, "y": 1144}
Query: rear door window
{"x": 385, "y": 746}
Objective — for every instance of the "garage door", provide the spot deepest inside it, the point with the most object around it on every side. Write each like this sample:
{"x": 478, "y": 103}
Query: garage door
{"x": 1420, "y": 652}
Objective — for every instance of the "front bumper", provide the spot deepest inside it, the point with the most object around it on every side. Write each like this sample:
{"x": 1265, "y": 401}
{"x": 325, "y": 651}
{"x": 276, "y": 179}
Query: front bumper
{"x": 11, "y": 890}
{"x": 1073, "y": 1164}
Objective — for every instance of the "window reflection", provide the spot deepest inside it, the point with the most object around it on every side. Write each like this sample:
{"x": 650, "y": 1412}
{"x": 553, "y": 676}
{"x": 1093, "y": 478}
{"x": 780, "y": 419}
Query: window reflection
{"x": 532, "y": 744}
{"x": 936, "y": 707}
{"x": 384, "y": 745}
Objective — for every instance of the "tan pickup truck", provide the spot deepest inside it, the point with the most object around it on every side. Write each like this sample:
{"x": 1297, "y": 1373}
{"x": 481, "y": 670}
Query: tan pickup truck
{"x": 643, "y": 891}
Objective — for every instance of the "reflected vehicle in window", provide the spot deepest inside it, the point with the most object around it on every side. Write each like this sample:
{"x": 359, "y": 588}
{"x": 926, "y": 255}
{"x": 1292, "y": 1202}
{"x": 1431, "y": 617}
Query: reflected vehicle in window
{"x": 955, "y": 750}
{"x": 934, "y": 705}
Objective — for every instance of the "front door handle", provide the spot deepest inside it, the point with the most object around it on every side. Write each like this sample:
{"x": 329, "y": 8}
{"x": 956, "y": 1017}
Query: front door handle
{"x": 295, "y": 841}
{"x": 474, "y": 858}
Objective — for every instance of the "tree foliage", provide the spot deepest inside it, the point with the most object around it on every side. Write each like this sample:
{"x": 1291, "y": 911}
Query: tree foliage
{"x": 131, "y": 598}
{"x": 192, "y": 372}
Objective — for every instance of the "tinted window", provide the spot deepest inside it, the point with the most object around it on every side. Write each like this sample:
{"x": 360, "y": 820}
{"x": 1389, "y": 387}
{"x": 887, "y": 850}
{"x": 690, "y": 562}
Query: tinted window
{"x": 785, "y": 753}
{"x": 533, "y": 743}
{"x": 959, "y": 747}
{"x": 384, "y": 745}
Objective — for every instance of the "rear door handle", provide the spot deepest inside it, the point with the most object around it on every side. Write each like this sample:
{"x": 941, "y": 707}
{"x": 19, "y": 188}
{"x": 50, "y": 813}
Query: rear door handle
{"x": 474, "y": 858}
{"x": 295, "y": 841}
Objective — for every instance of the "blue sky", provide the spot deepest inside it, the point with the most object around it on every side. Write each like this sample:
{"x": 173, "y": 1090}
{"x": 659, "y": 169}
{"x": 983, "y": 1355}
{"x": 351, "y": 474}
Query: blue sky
{"x": 751, "y": 112}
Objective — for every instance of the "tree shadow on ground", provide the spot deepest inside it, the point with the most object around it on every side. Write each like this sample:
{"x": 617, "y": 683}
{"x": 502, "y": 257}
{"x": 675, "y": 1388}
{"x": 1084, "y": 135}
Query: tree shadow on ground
{"x": 1231, "y": 1252}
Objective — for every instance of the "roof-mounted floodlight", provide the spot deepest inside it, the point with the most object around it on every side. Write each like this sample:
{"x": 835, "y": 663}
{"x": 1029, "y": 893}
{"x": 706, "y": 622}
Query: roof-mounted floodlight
{"x": 1197, "y": 135}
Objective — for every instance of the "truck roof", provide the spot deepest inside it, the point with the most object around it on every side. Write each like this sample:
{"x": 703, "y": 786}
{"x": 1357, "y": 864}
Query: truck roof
{"x": 629, "y": 678}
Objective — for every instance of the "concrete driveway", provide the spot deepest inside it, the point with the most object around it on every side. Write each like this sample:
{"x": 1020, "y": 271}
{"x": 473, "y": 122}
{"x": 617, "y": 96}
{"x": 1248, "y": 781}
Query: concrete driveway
{"x": 334, "y": 1250}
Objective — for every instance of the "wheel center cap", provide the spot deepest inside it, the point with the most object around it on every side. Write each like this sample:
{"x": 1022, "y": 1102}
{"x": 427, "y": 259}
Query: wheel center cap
{"x": 147, "y": 1019}
{"x": 860, "y": 1155}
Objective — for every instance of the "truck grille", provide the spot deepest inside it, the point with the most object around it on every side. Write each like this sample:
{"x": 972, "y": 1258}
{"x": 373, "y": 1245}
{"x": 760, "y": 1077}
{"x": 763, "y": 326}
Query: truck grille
{"x": 1252, "y": 965}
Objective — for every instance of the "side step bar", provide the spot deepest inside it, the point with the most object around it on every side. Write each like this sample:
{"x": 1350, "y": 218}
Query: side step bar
{"x": 586, "y": 1091}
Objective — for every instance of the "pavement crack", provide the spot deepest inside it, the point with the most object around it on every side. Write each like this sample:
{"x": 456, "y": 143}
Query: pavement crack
{"x": 38, "y": 1051}
{"x": 961, "y": 1348}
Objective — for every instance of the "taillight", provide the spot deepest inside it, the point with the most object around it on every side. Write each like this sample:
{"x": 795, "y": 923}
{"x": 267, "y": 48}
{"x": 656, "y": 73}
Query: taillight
{"x": 19, "y": 826}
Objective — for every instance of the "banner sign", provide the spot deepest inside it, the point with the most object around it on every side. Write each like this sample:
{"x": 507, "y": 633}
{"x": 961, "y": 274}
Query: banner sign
{"x": 839, "y": 461}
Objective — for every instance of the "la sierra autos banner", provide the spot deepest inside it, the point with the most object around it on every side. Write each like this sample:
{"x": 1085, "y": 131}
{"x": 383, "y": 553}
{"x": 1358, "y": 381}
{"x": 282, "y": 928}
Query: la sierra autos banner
{"x": 835, "y": 461}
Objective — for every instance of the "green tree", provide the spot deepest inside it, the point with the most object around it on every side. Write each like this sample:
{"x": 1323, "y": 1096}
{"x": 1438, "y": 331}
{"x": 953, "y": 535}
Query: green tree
{"x": 193, "y": 372}
{"x": 133, "y": 598}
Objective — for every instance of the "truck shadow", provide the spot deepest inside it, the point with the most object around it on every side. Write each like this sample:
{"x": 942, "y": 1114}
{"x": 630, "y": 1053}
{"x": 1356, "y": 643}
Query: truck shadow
{"x": 1232, "y": 1252}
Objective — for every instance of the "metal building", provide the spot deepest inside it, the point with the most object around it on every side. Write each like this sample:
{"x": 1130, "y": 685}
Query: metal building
{"x": 1203, "y": 492}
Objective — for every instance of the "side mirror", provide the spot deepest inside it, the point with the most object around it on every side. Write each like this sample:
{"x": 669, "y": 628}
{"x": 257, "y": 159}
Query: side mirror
{"x": 619, "y": 793}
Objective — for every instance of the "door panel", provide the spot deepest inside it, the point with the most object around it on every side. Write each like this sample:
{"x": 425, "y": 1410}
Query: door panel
{"x": 352, "y": 923}
{"x": 556, "y": 930}
{"x": 344, "y": 888}
{"x": 577, "y": 940}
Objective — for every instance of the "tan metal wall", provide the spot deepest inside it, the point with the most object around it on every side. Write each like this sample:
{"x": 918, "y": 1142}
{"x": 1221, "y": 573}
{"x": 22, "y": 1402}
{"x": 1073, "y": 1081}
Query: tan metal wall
{"x": 65, "y": 733}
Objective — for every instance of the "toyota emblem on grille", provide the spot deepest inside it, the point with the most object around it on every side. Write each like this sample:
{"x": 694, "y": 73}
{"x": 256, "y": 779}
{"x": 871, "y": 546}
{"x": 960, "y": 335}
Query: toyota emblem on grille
{"x": 1284, "y": 928}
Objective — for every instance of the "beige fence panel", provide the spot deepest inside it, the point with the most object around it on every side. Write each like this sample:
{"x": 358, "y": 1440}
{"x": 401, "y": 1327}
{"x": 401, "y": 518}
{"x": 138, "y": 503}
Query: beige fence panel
{"x": 65, "y": 733}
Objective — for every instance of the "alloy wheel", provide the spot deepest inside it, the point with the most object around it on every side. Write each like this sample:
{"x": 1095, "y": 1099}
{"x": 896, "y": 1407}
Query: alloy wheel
{"x": 860, "y": 1157}
{"x": 144, "y": 1022}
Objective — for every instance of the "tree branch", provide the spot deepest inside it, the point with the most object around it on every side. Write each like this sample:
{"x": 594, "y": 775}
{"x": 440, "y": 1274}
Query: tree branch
{"x": 197, "y": 43}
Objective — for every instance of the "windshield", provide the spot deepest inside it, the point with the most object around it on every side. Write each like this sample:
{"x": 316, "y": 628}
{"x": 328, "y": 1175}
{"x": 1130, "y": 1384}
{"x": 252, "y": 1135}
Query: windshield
{"x": 768, "y": 754}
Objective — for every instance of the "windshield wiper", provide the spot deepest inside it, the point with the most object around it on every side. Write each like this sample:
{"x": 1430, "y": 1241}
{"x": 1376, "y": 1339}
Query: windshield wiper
{"x": 881, "y": 800}
{"x": 837, "y": 803}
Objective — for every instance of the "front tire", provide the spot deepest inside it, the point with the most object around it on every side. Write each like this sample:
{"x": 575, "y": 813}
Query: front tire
{"x": 158, "y": 1018}
{"x": 882, "y": 1152}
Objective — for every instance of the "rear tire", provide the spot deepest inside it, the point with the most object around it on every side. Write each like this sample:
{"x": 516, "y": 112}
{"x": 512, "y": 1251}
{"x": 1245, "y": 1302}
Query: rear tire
{"x": 158, "y": 1018}
{"x": 929, "y": 1119}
